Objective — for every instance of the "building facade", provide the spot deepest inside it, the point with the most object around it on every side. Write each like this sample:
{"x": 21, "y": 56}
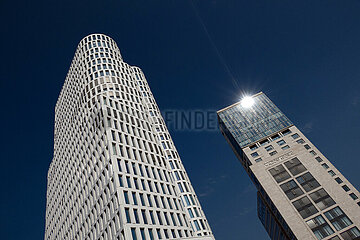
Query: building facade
{"x": 115, "y": 173}
{"x": 301, "y": 195}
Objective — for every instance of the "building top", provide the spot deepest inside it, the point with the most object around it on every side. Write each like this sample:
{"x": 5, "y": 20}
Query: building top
{"x": 252, "y": 119}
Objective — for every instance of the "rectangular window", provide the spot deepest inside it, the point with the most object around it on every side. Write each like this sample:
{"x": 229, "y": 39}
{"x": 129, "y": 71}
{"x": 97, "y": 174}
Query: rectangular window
{"x": 279, "y": 173}
{"x": 253, "y": 147}
{"x": 338, "y": 180}
{"x": 322, "y": 199}
{"x": 300, "y": 141}
{"x": 258, "y": 160}
{"x": 295, "y": 166}
{"x": 338, "y": 218}
{"x": 254, "y": 154}
{"x": 264, "y": 142}
{"x": 319, "y": 227}
{"x": 133, "y": 233}
{"x": 143, "y": 213}
{"x": 308, "y": 182}
{"x": 325, "y": 166}
{"x": 273, "y": 153}
{"x": 307, "y": 147}
{"x": 318, "y": 159}
{"x": 312, "y": 152}
{"x": 275, "y": 137}
{"x": 285, "y": 147}
{"x": 126, "y": 197}
{"x": 332, "y": 173}
{"x": 127, "y": 213}
{"x": 305, "y": 207}
{"x": 295, "y": 136}
{"x": 291, "y": 189}
{"x": 269, "y": 148}
{"x": 136, "y": 216}
{"x": 286, "y": 132}
{"x": 353, "y": 196}
{"x": 346, "y": 188}
{"x": 281, "y": 142}
{"x": 351, "y": 234}
{"x": 151, "y": 234}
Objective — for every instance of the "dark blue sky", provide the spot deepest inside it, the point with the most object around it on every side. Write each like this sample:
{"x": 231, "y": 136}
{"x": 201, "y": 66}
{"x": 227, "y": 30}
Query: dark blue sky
{"x": 305, "y": 55}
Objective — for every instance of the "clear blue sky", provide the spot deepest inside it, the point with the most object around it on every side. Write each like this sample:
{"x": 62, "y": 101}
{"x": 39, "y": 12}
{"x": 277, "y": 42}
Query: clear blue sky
{"x": 305, "y": 55}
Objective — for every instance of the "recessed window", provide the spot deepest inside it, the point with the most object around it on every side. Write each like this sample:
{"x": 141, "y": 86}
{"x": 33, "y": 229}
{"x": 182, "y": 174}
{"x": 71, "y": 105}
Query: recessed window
{"x": 295, "y": 136}
{"x": 273, "y": 153}
{"x": 306, "y": 146}
{"x": 279, "y": 173}
{"x": 281, "y": 142}
{"x": 300, "y": 141}
{"x": 286, "y": 132}
{"x": 254, "y": 154}
{"x": 308, "y": 182}
{"x": 285, "y": 147}
{"x": 332, "y": 173}
{"x": 275, "y": 137}
{"x": 324, "y": 165}
{"x": 318, "y": 159}
{"x": 258, "y": 160}
{"x": 319, "y": 227}
{"x": 338, "y": 218}
{"x": 338, "y": 180}
{"x": 305, "y": 207}
{"x": 269, "y": 148}
{"x": 263, "y": 142}
{"x": 291, "y": 189}
{"x": 322, "y": 199}
{"x": 253, "y": 147}
{"x": 346, "y": 188}
{"x": 351, "y": 234}
{"x": 353, "y": 196}
{"x": 295, "y": 166}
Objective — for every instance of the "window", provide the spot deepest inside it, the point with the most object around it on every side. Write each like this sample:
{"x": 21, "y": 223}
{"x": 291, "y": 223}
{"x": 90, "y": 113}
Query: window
{"x": 308, "y": 182}
{"x": 133, "y": 233}
{"x": 142, "y": 232}
{"x": 279, "y": 173}
{"x": 269, "y": 148}
{"x": 275, "y": 137}
{"x": 319, "y": 227}
{"x": 312, "y": 152}
{"x": 254, "y": 154}
{"x": 286, "y": 132}
{"x": 322, "y": 199}
{"x": 295, "y": 136}
{"x": 273, "y": 153}
{"x": 253, "y": 147}
{"x": 353, "y": 196}
{"x": 318, "y": 159}
{"x": 338, "y": 218}
{"x": 305, "y": 207}
{"x": 338, "y": 180}
{"x": 332, "y": 173}
{"x": 346, "y": 188}
{"x": 258, "y": 160}
{"x": 291, "y": 189}
{"x": 128, "y": 219}
{"x": 307, "y": 147}
{"x": 285, "y": 147}
{"x": 263, "y": 142}
{"x": 351, "y": 234}
{"x": 300, "y": 141}
{"x": 295, "y": 166}
{"x": 281, "y": 142}
{"x": 324, "y": 165}
{"x": 126, "y": 197}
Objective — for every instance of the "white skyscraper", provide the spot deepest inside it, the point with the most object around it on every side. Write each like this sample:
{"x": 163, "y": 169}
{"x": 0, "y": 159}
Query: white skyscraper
{"x": 115, "y": 172}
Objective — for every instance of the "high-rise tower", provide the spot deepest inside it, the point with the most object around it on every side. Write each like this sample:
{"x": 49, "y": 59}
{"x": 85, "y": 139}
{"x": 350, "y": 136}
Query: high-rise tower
{"x": 301, "y": 195}
{"x": 115, "y": 173}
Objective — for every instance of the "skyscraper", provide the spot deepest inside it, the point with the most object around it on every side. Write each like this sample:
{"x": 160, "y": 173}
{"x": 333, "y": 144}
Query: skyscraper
{"x": 301, "y": 195}
{"x": 115, "y": 173}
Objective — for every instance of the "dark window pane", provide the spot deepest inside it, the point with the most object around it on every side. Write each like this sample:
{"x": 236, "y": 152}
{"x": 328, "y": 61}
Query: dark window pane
{"x": 291, "y": 189}
{"x": 308, "y": 182}
{"x": 279, "y": 173}
{"x": 322, "y": 199}
{"x": 295, "y": 166}
{"x": 305, "y": 207}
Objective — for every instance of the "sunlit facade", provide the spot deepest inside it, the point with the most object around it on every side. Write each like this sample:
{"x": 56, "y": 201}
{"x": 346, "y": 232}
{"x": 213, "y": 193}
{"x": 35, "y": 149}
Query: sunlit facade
{"x": 115, "y": 173}
{"x": 301, "y": 195}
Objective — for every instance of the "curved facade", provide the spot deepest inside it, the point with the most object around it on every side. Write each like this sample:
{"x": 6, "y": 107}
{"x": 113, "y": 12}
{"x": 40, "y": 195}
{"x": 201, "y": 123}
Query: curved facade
{"x": 115, "y": 173}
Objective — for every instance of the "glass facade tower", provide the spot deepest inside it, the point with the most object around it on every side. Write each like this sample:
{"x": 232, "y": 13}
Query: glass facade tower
{"x": 115, "y": 173}
{"x": 301, "y": 195}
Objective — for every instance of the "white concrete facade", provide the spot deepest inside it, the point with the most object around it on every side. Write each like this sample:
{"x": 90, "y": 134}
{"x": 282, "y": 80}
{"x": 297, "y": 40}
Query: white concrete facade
{"x": 115, "y": 173}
